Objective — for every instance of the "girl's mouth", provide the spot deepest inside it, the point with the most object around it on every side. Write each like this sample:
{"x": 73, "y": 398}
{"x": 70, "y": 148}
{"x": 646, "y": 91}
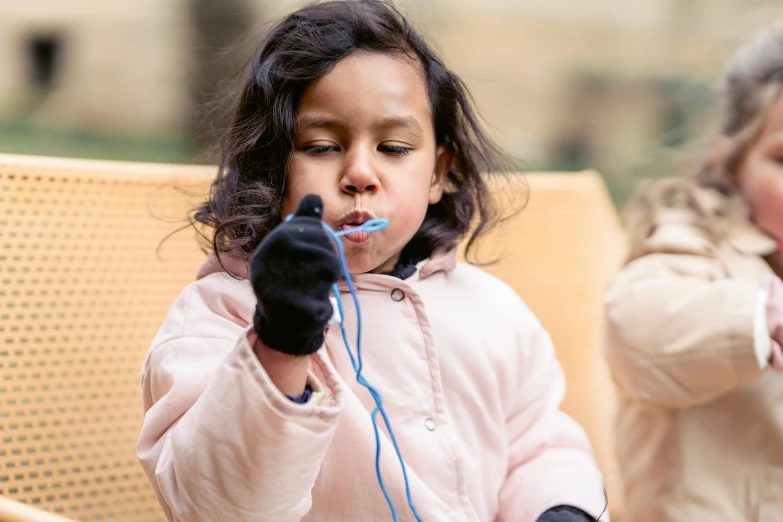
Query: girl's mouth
{"x": 354, "y": 220}
{"x": 355, "y": 237}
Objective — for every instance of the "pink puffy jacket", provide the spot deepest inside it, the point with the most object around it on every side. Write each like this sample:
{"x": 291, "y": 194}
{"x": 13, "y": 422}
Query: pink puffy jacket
{"x": 467, "y": 374}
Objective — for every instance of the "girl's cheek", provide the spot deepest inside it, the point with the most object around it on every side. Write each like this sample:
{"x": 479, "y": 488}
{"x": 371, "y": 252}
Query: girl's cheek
{"x": 767, "y": 207}
{"x": 774, "y": 190}
{"x": 777, "y": 206}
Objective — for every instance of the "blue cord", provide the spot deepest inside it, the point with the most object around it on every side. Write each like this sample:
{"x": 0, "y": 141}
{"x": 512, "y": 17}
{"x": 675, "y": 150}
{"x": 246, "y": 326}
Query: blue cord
{"x": 372, "y": 225}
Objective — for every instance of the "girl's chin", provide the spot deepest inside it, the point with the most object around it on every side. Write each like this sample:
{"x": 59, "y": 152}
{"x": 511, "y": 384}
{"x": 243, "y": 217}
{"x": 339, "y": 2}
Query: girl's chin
{"x": 361, "y": 261}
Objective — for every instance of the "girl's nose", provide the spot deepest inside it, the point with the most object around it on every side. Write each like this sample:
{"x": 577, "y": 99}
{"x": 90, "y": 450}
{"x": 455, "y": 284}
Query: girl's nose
{"x": 359, "y": 174}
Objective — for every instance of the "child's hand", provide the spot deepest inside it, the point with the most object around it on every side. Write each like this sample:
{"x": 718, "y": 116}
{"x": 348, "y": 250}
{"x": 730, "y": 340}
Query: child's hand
{"x": 565, "y": 514}
{"x": 292, "y": 272}
{"x": 774, "y": 288}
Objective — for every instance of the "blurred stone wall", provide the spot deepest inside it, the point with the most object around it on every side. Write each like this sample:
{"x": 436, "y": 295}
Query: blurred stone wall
{"x": 562, "y": 84}
{"x": 114, "y": 65}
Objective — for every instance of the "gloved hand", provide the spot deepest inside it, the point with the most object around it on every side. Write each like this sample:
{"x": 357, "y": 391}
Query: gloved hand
{"x": 292, "y": 272}
{"x": 565, "y": 514}
{"x": 774, "y": 288}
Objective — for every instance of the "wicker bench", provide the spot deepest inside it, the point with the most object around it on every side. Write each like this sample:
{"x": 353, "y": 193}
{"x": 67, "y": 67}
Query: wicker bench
{"x": 85, "y": 282}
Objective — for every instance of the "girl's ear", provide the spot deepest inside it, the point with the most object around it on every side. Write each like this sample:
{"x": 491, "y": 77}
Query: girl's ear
{"x": 443, "y": 163}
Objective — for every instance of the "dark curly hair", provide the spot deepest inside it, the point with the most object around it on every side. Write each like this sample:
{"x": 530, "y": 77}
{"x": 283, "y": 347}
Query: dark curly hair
{"x": 245, "y": 198}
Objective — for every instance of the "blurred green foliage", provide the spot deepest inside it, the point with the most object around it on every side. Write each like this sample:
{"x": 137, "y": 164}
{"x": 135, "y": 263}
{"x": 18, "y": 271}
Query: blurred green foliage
{"x": 20, "y": 136}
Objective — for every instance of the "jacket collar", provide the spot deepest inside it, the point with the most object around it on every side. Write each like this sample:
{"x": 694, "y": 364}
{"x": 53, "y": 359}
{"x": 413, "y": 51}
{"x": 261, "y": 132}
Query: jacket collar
{"x": 683, "y": 229}
{"x": 750, "y": 239}
{"x": 744, "y": 234}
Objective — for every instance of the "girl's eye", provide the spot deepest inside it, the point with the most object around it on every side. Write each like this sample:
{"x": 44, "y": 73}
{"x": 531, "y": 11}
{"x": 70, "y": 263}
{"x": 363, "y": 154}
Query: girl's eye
{"x": 319, "y": 150}
{"x": 395, "y": 150}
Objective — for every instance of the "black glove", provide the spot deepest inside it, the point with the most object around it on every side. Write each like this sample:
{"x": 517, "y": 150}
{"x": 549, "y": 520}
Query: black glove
{"x": 565, "y": 514}
{"x": 292, "y": 272}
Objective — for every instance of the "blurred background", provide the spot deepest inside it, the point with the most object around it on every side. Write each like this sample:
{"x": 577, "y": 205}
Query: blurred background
{"x": 623, "y": 86}
{"x": 626, "y": 87}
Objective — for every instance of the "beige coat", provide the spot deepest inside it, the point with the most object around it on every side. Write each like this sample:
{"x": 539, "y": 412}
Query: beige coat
{"x": 700, "y": 425}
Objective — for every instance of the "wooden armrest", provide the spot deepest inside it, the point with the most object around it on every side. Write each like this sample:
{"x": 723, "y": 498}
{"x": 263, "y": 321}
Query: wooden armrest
{"x": 13, "y": 511}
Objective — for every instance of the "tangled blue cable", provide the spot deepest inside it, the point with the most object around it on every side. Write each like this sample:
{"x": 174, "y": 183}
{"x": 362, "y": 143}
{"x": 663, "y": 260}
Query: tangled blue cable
{"x": 372, "y": 225}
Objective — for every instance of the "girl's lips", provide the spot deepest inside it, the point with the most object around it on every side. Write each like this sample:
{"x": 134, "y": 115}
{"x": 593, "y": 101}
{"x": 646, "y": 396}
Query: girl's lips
{"x": 352, "y": 220}
{"x": 355, "y": 237}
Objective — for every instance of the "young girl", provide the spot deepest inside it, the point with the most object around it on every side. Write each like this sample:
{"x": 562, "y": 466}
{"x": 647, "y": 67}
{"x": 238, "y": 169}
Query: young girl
{"x": 696, "y": 320}
{"x": 253, "y": 409}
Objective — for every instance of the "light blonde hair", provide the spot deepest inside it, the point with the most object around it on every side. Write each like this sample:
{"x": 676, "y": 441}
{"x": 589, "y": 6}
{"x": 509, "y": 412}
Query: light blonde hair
{"x": 752, "y": 82}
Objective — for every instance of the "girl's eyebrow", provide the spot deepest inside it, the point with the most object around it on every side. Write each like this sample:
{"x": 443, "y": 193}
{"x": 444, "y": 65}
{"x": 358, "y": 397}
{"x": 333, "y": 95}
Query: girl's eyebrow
{"x": 407, "y": 123}
{"x": 318, "y": 122}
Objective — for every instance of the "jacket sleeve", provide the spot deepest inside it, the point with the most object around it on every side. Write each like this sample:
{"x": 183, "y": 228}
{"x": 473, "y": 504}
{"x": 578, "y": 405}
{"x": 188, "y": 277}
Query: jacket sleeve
{"x": 550, "y": 458}
{"x": 221, "y": 442}
{"x": 679, "y": 333}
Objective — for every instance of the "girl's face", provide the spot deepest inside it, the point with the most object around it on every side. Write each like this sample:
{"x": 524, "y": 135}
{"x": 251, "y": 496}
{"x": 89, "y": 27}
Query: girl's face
{"x": 365, "y": 143}
{"x": 761, "y": 174}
